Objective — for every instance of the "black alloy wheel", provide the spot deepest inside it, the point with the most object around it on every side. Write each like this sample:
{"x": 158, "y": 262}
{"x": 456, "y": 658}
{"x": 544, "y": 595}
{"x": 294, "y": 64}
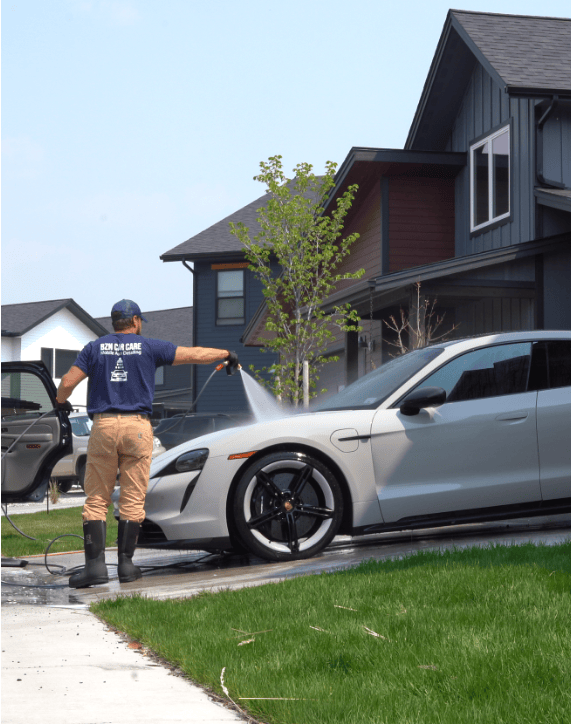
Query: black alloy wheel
{"x": 287, "y": 506}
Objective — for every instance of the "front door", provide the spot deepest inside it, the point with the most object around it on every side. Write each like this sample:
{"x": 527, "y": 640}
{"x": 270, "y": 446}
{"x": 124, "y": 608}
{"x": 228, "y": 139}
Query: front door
{"x": 478, "y": 450}
{"x": 34, "y": 436}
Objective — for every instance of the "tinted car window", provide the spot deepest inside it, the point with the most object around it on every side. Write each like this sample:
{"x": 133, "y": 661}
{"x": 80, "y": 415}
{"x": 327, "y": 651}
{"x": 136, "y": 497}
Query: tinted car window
{"x": 23, "y": 395}
{"x": 559, "y": 363}
{"x": 487, "y": 372}
{"x": 81, "y": 426}
{"x": 372, "y": 389}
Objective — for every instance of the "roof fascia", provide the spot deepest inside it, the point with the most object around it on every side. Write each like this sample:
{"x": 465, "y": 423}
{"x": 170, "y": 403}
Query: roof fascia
{"x": 86, "y": 318}
{"x": 470, "y": 262}
{"x": 450, "y": 23}
{"x": 516, "y": 91}
{"x": 424, "y": 96}
{"x": 63, "y": 305}
{"x": 393, "y": 155}
{"x": 203, "y": 256}
{"x": 554, "y": 201}
{"x": 75, "y": 309}
{"x": 480, "y": 57}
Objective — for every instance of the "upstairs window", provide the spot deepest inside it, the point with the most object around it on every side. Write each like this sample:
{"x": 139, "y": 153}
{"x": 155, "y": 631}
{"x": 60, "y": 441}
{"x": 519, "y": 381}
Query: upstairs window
{"x": 490, "y": 179}
{"x": 230, "y": 297}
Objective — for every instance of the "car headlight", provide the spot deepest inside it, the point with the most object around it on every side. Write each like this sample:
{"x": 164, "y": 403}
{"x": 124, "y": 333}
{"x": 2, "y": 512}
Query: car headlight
{"x": 193, "y": 460}
{"x": 156, "y": 443}
{"x": 184, "y": 463}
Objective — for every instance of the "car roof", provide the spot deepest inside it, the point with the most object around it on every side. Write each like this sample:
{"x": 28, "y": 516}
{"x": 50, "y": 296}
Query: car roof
{"x": 481, "y": 340}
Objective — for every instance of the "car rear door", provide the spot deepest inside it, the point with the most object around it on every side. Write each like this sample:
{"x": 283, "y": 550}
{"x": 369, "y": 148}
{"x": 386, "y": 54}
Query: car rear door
{"x": 34, "y": 436}
{"x": 478, "y": 450}
{"x": 554, "y": 419}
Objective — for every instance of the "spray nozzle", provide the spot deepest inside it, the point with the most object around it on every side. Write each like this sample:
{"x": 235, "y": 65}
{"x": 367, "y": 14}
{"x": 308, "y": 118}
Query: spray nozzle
{"x": 231, "y": 363}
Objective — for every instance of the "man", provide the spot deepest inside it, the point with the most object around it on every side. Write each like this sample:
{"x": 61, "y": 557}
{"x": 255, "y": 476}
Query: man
{"x": 121, "y": 370}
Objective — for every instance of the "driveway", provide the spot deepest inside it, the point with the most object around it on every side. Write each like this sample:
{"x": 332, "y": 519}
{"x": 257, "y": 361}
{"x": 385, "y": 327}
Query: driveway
{"x": 173, "y": 574}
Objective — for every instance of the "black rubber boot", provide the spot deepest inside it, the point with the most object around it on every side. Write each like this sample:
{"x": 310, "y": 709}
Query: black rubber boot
{"x": 95, "y": 571}
{"x": 128, "y": 536}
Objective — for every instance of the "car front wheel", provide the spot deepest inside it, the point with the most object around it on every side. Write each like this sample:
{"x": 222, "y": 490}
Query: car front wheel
{"x": 287, "y": 506}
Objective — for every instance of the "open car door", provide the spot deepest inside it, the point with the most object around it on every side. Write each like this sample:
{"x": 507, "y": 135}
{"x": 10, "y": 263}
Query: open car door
{"x": 28, "y": 393}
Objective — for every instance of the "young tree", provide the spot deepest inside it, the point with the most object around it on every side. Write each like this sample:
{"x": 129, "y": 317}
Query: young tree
{"x": 308, "y": 245}
{"x": 420, "y": 325}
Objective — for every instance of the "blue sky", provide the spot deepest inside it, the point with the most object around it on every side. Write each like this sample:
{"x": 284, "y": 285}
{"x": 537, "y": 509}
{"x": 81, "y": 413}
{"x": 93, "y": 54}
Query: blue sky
{"x": 128, "y": 126}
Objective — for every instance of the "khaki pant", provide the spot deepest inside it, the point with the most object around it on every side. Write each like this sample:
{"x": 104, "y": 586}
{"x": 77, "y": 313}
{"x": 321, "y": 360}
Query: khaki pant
{"x": 124, "y": 442}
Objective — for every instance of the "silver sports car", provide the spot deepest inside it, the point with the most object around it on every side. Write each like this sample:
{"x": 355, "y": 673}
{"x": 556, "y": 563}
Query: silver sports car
{"x": 464, "y": 431}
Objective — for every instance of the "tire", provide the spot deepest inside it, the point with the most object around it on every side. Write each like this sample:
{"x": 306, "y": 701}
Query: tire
{"x": 287, "y": 506}
{"x": 81, "y": 474}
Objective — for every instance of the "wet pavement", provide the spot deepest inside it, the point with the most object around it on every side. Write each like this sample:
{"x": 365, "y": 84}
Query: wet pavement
{"x": 175, "y": 574}
{"x": 60, "y": 660}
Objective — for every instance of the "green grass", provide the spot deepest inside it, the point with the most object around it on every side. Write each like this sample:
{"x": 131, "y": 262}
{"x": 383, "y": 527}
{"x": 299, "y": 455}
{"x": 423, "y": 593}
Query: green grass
{"x": 45, "y": 527}
{"x": 473, "y": 636}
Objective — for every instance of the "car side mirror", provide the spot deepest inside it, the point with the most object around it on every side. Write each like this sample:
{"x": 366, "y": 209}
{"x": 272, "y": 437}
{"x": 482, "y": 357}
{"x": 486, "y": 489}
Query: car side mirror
{"x": 422, "y": 397}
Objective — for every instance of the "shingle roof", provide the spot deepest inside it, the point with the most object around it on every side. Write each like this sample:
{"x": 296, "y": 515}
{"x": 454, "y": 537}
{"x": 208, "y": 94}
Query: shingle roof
{"x": 171, "y": 325}
{"x": 526, "y": 56}
{"x": 17, "y": 319}
{"x": 526, "y": 51}
{"x": 217, "y": 239}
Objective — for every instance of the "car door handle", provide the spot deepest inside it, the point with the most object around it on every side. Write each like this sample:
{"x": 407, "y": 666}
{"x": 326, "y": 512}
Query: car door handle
{"x": 512, "y": 416}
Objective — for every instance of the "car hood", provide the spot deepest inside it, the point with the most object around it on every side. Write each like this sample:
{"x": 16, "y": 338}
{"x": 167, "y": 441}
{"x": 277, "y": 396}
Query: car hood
{"x": 314, "y": 428}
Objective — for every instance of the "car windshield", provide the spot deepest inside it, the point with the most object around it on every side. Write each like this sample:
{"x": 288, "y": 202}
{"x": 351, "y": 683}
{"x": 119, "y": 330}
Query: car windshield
{"x": 168, "y": 423}
{"x": 372, "y": 389}
{"x": 81, "y": 426}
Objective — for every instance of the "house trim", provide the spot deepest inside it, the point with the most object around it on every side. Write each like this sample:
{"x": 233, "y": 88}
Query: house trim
{"x": 383, "y": 285}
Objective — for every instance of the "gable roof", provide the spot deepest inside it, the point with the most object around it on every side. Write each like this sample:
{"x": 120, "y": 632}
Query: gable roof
{"x": 217, "y": 239}
{"x": 529, "y": 54}
{"x": 17, "y": 319}
{"x": 171, "y": 325}
{"x": 525, "y": 56}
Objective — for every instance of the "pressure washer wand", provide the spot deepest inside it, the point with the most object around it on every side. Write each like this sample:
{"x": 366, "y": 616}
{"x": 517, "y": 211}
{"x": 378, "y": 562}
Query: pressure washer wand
{"x": 232, "y": 366}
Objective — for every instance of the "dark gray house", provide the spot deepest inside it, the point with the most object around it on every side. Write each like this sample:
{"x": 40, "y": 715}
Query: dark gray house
{"x": 476, "y": 207}
{"x": 173, "y": 385}
{"x": 225, "y": 295}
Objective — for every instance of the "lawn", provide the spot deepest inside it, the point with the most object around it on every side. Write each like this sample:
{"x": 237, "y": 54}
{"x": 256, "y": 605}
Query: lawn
{"x": 45, "y": 527}
{"x": 474, "y": 636}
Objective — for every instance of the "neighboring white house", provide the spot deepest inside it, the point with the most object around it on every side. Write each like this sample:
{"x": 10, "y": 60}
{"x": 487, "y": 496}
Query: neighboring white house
{"x": 53, "y": 332}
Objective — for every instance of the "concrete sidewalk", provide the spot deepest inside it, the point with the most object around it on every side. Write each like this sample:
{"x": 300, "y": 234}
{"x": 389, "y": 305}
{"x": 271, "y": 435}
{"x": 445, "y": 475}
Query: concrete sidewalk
{"x": 64, "y": 666}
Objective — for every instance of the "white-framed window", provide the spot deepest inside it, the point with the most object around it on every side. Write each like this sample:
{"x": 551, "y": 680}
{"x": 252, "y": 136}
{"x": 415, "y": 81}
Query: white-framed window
{"x": 490, "y": 179}
{"x": 230, "y": 297}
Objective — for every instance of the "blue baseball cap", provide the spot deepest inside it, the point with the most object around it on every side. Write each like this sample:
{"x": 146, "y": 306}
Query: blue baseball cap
{"x": 125, "y": 309}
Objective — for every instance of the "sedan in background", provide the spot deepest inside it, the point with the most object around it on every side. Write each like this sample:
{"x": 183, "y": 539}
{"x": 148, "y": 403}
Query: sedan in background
{"x": 472, "y": 430}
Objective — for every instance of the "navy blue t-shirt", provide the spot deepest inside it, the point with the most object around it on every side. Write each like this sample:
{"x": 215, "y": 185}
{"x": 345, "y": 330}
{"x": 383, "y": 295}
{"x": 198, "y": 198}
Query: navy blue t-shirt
{"x": 121, "y": 370}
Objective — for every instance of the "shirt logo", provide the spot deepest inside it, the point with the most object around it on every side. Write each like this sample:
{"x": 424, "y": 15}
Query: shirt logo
{"x": 119, "y": 374}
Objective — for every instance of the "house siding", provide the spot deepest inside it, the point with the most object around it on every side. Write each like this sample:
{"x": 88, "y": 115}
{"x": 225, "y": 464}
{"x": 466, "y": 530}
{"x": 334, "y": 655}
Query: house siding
{"x": 421, "y": 221}
{"x": 63, "y": 330}
{"x": 557, "y": 146}
{"x": 366, "y": 251}
{"x": 11, "y": 349}
{"x": 485, "y": 107}
{"x": 224, "y": 393}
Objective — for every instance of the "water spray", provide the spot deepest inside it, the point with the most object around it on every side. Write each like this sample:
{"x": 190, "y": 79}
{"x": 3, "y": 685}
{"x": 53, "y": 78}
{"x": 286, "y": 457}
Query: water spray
{"x": 232, "y": 366}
